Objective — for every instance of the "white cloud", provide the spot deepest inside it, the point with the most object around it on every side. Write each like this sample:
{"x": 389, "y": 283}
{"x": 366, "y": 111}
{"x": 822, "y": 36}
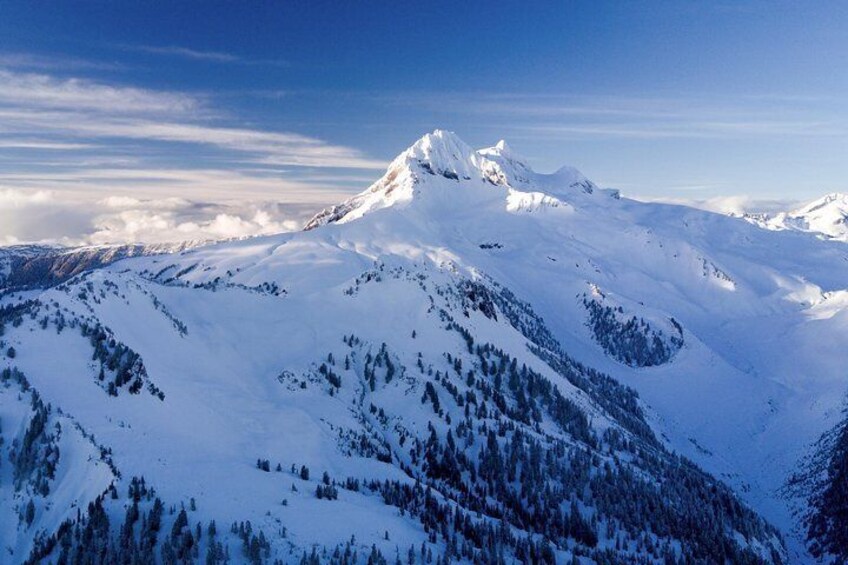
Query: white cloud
{"x": 186, "y": 53}
{"x": 31, "y": 90}
{"x": 50, "y": 217}
{"x": 685, "y": 116}
{"x": 14, "y": 199}
{"x": 91, "y": 162}
{"x": 168, "y": 221}
{"x": 201, "y": 55}
{"x": 38, "y": 144}
{"x": 31, "y": 61}
{"x": 39, "y": 216}
{"x": 255, "y": 146}
{"x": 219, "y": 185}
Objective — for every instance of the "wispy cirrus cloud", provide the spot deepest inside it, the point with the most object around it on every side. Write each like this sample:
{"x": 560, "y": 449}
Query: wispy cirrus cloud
{"x": 183, "y": 52}
{"x": 685, "y": 129}
{"x": 682, "y": 116}
{"x": 37, "y": 103}
{"x": 217, "y": 184}
{"x": 43, "y": 144}
{"x": 246, "y": 145}
{"x": 53, "y": 62}
{"x": 33, "y": 92}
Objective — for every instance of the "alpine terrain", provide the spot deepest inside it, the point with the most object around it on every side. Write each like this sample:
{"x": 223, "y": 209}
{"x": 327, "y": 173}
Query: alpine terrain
{"x": 467, "y": 362}
{"x": 827, "y": 217}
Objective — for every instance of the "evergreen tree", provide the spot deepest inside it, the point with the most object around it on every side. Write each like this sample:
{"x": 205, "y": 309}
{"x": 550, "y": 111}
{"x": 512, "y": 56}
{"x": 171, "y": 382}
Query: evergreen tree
{"x": 30, "y": 512}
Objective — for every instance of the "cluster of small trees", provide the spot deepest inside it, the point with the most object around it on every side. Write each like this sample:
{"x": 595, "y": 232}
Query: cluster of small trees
{"x": 122, "y": 365}
{"x": 431, "y": 395}
{"x": 266, "y": 288}
{"x": 375, "y": 274}
{"x": 118, "y": 360}
{"x": 35, "y": 455}
{"x": 382, "y": 362}
{"x": 13, "y": 314}
{"x": 88, "y": 539}
{"x": 631, "y": 341}
{"x": 91, "y": 538}
{"x": 327, "y": 489}
{"x": 327, "y": 372}
{"x": 178, "y": 324}
{"x": 347, "y": 554}
{"x": 256, "y": 547}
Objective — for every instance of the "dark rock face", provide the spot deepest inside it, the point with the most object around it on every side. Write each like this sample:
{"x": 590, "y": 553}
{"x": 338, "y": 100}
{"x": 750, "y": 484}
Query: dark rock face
{"x": 26, "y": 267}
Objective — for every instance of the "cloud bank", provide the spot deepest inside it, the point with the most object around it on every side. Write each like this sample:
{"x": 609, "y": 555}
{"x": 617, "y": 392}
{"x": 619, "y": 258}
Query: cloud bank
{"x": 48, "y": 217}
{"x": 733, "y": 205}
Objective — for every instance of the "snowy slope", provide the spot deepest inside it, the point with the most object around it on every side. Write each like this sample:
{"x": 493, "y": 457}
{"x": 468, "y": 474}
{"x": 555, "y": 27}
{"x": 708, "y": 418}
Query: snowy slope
{"x": 346, "y": 349}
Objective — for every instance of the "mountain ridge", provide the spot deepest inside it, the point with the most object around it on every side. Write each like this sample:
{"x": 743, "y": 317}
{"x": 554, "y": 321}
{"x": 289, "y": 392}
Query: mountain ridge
{"x": 440, "y": 157}
{"x": 825, "y": 217}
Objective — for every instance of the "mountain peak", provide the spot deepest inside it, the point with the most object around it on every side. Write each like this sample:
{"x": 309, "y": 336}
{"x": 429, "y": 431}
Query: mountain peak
{"x": 440, "y": 152}
{"x": 439, "y": 142}
{"x": 441, "y": 161}
{"x": 440, "y": 137}
{"x": 503, "y": 151}
{"x": 826, "y": 217}
{"x": 832, "y": 200}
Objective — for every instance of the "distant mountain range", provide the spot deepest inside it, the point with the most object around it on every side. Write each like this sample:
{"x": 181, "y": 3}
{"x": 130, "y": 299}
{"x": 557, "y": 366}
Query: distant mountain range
{"x": 42, "y": 266}
{"x": 826, "y": 217}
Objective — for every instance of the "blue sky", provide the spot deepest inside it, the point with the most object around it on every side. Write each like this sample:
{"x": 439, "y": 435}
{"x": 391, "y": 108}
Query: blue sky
{"x": 181, "y": 113}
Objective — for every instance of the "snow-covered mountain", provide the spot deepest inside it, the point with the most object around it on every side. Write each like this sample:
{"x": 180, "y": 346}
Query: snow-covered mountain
{"x": 469, "y": 361}
{"x": 443, "y": 154}
{"x": 826, "y": 217}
